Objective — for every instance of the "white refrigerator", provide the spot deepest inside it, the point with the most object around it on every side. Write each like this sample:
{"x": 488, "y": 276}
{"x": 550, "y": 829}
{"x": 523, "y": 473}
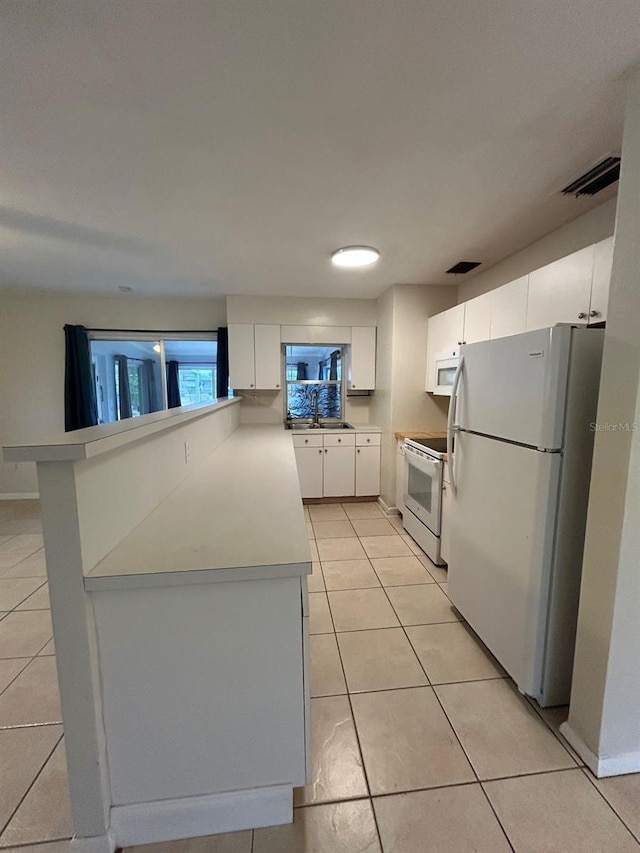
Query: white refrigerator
{"x": 520, "y": 443}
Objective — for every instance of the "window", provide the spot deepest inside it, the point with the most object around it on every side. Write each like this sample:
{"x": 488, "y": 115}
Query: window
{"x": 314, "y": 380}
{"x": 138, "y": 373}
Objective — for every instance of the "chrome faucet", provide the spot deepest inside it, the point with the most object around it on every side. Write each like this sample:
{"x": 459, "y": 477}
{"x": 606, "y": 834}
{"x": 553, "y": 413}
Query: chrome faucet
{"x": 314, "y": 400}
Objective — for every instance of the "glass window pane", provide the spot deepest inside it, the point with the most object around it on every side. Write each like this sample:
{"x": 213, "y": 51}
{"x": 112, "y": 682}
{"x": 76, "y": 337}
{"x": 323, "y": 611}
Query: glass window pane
{"x": 128, "y": 378}
{"x": 301, "y": 402}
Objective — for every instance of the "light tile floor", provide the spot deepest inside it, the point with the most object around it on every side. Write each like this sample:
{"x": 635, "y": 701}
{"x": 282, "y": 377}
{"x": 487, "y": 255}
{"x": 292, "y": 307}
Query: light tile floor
{"x": 419, "y": 741}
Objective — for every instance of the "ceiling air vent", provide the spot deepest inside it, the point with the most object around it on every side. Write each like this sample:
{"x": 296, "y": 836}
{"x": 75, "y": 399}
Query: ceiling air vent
{"x": 606, "y": 172}
{"x": 463, "y": 266}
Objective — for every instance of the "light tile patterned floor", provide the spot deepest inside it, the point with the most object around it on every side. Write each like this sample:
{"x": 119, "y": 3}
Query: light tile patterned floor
{"x": 419, "y": 741}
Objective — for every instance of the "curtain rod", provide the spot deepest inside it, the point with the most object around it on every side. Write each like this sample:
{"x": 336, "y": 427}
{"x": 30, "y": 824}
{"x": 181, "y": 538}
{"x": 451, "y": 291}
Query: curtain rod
{"x": 159, "y": 331}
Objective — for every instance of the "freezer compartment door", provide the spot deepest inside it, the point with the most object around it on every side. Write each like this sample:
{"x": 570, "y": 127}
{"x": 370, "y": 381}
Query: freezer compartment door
{"x": 501, "y": 550}
{"x": 514, "y": 388}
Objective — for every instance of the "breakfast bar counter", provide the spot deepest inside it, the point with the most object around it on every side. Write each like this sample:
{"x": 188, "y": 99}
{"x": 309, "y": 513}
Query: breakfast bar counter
{"x": 177, "y": 558}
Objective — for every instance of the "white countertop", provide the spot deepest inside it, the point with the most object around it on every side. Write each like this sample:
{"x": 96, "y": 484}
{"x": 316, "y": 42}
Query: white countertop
{"x": 239, "y": 516}
{"x": 92, "y": 441}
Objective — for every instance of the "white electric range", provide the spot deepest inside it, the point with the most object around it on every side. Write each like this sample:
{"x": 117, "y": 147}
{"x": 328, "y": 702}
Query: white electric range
{"x": 423, "y": 477}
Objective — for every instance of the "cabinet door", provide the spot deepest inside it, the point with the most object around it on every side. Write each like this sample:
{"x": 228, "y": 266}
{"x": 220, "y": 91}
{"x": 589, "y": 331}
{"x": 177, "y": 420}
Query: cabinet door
{"x": 339, "y": 472}
{"x": 561, "y": 291}
{"x": 445, "y": 527}
{"x": 362, "y": 374}
{"x": 309, "y": 462}
{"x": 242, "y": 371}
{"x": 444, "y": 332}
{"x": 477, "y": 319}
{"x": 367, "y": 471}
{"x": 268, "y": 357}
{"x": 400, "y": 475}
{"x": 602, "y": 263}
{"x": 509, "y": 308}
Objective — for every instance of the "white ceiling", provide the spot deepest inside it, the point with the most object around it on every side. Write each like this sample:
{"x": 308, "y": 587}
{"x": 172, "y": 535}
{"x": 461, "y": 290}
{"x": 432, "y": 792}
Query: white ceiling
{"x": 229, "y": 146}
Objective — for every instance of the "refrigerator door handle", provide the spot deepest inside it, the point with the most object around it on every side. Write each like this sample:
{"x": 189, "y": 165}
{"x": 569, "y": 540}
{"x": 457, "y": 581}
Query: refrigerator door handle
{"x": 451, "y": 425}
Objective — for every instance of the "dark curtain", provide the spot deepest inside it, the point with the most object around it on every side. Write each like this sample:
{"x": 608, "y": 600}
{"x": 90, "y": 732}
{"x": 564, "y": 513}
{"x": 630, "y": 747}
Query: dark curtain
{"x": 80, "y": 408}
{"x": 150, "y": 395}
{"x": 173, "y": 387}
{"x": 222, "y": 369}
{"x": 124, "y": 392}
{"x": 302, "y": 370}
{"x": 320, "y": 376}
{"x": 333, "y": 367}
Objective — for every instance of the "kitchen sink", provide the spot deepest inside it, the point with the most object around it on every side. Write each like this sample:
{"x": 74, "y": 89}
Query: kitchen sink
{"x": 310, "y": 425}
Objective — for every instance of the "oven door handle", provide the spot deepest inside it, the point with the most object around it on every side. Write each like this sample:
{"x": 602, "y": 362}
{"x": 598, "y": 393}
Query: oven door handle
{"x": 452, "y": 427}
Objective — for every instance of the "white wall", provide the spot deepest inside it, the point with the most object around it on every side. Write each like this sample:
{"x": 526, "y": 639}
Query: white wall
{"x": 589, "y": 228}
{"x": 268, "y": 406}
{"x": 400, "y": 401}
{"x": 605, "y": 696}
{"x": 32, "y": 356}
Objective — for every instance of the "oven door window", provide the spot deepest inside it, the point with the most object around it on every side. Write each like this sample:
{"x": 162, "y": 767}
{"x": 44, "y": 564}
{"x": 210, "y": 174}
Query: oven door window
{"x": 420, "y": 488}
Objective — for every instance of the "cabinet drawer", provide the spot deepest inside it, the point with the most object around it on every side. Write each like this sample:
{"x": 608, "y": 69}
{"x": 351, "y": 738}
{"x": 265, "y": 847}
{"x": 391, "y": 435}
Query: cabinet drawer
{"x": 342, "y": 440}
{"x": 368, "y": 439}
{"x": 307, "y": 440}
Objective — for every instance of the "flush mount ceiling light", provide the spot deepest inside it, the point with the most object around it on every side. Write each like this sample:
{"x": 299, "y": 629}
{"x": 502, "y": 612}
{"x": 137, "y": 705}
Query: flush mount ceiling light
{"x": 355, "y": 256}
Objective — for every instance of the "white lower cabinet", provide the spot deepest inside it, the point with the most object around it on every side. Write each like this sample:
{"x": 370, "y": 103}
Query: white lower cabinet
{"x": 310, "y": 464}
{"x": 367, "y": 471}
{"x": 338, "y": 465}
{"x": 339, "y": 472}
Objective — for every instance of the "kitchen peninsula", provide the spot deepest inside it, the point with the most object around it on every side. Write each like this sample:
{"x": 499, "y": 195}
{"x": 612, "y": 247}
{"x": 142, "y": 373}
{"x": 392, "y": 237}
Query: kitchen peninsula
{"x": 177, "y": 558}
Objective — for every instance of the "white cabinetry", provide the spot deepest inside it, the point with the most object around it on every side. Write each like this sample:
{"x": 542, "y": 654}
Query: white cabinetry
{"x": 309, "y": 460}
{"x": 362, "y": 363}
{"x": 477, "y": 319}
{"x": 509, "y": 308}
{"x": 268, "y": 357}
{"x": 602, "y": 262}
{"x": 445, "y": 332}
{"x": 254, "y": 356}
{"x": 335, "y": 466}
{"x": 367, "y": 465}
{"x": 339, "y": 472}
{"x": 242, "y": 355}
{"x": 400, "y": 475}
{"x": 561, "y": 291}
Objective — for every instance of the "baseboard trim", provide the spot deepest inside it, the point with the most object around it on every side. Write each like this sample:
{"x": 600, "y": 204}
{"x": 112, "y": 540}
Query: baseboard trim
{"x": 191, "y": 817}
{"x": 388, "y": 510}
{"x": 603, "y": 766}
{"x": 96, "y": 844}
{"x": 19, "y": 496}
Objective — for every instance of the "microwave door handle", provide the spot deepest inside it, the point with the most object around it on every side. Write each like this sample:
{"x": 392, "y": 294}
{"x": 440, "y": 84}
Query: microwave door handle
{"x": 451, "y": 425}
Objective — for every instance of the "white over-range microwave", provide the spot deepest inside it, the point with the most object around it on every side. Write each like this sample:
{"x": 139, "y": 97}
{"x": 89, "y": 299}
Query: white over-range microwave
{"x": 445, "y": 370}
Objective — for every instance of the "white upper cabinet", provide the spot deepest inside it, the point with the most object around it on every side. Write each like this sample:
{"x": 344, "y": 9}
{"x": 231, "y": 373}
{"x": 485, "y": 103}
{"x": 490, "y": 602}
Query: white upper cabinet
{"x": 602, "y": 263}
{"x": 561, "y": 291}
{"x": 268, "y": 358}
{"x": 444, "y": 333}
{"x": 509, "y": 308}
{"x": 242, "y": 367}
{"x": 477, "y": 319}
{"x": 254, "y": 356}
{"x": 362, "y": 364}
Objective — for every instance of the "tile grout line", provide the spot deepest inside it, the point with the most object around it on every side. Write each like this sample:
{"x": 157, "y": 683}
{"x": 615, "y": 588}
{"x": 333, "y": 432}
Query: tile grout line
{"x": 587, "y": 772}
{"x": 357, "y": 734}
{"x": 4, "y": 828}
{"x": 471, "y": 765}
{"x": 6, "y": 687}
